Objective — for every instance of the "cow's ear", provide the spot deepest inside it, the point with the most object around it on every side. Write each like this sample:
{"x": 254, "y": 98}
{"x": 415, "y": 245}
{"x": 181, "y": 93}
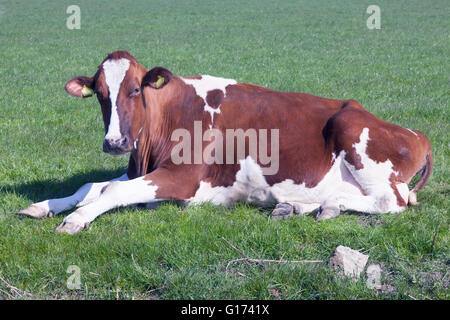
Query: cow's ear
{"x": 157, "y": 78}
{"x": 82, "y": 87}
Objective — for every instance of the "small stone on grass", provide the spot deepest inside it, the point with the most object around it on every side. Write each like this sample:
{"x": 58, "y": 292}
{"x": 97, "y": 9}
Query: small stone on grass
{"x": 350, "y": 261}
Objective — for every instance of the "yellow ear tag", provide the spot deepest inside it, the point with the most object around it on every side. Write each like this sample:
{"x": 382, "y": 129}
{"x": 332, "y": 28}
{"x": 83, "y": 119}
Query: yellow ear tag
{"x": 160, "y": 82}
{"x": 87, "y": 92}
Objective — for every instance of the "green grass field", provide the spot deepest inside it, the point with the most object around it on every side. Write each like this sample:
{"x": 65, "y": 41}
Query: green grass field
{"x": 51, "y": 145}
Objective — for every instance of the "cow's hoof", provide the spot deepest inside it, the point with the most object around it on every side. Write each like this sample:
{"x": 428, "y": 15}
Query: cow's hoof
{"x": 328, "y": 213}
{"x": 36, "y": 212}
{"x": 298, "y": 209}
{"x": 282, "y": 211}
{"x": 71, "y": 227}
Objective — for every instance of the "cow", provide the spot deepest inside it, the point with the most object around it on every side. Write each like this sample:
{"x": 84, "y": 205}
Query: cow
{"x": 331, "y": 155}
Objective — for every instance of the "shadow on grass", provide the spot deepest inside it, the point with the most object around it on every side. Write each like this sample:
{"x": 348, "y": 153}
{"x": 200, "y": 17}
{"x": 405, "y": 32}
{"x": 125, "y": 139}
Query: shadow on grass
{"x": 48, "y": 189}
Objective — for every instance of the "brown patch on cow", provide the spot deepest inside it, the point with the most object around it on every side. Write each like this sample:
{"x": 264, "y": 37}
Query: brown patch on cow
{"x": 341, "y": 137}
{"x": 404, "y": 153}
{"x": 354, "y": 159}
{"x": 214, "y": 98}
{"x": 175, "y": 182}
{"x": 400, "y": 200}
{"x": 173, "y": 107}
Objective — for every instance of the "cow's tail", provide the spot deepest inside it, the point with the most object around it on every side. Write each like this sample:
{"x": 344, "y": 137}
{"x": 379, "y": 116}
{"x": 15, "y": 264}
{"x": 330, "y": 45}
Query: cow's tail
{"x": 424, "y": 174}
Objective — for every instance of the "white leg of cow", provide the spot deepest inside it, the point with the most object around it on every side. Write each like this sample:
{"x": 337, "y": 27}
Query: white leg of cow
{"x": 116, "y": 194}
{"x": 86, "y": 194}
{"x": 382, "y": 202}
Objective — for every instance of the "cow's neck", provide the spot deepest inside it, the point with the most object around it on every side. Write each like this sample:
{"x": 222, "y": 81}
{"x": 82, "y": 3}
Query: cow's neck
{"x": 151, "y": 150}
{"x": 154, "y": 144}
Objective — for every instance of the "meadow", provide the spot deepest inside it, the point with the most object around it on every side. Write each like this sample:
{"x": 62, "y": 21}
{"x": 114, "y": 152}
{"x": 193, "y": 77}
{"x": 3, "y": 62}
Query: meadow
{"x": 52, "y": 144}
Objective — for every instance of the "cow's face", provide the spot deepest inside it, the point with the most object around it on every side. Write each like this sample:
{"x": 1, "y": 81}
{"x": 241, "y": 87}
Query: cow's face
{"x": 117, "y": 85}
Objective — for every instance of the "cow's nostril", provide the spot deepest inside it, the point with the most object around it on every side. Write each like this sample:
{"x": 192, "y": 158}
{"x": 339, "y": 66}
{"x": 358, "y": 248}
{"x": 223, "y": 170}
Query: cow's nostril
{"x": 124, "y": 141}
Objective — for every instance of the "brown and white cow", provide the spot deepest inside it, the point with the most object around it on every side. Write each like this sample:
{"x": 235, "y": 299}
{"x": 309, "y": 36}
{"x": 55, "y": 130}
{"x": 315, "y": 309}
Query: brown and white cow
{"x": 332, "y": 155}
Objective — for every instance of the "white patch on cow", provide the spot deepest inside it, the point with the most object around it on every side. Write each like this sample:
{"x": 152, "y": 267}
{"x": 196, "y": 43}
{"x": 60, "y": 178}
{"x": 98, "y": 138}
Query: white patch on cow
{"x": 412, "y": 132}
{"x": 305, "y": 207}
{"x": 373, "y": 174}
{"x": 115, "y": 71}
{"x": 337, "y": 180}
{"x": 86, "y": 194}
{"x": 374, "y": 177}
{"x": 404, "y": 191}
{"x": 115, "y": 194}
{"x": 251, "y": 186}
{"x": 208, "y": 83}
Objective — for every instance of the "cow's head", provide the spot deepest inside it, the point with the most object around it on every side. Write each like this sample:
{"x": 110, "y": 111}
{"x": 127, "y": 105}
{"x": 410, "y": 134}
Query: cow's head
{"x": 117, "y": 84}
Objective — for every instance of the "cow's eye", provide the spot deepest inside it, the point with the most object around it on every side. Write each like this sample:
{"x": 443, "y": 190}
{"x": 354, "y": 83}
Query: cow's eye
{"x": 135, "y": 92}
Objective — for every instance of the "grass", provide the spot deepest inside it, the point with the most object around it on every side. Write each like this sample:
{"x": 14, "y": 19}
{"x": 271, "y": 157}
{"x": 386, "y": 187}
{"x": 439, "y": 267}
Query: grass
{"x": 51, "y": 145}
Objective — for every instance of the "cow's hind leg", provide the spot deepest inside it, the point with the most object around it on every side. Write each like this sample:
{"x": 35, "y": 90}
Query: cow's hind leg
{"x": 381, "y": 192}
{"x": 387, "y": 198}
{"x": 86, "y": 194}
{"x": 285, "y": 210}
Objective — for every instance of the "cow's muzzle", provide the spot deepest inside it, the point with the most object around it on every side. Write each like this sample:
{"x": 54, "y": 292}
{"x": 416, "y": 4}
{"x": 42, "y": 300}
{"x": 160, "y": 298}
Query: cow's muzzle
{"x": 116, "y": 147}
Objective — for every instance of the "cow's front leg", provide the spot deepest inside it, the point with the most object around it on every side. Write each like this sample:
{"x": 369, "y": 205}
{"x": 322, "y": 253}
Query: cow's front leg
{"x": 156, "y": 186}
{"x": 86, "y": 194}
